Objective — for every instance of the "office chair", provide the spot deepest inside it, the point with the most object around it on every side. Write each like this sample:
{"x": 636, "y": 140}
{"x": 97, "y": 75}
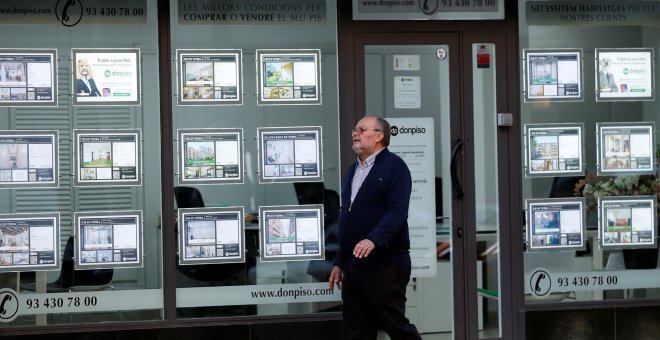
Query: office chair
{"x": 309, "y": 192}
{"x": 188, "y": 197}
{"x": 315, "y": 193}
{"x": 563, "y": 186}
{"x": 72, "y": 280}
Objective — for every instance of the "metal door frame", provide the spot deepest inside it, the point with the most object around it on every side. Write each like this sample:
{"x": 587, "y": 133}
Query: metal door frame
{"x": 353, "y": 108}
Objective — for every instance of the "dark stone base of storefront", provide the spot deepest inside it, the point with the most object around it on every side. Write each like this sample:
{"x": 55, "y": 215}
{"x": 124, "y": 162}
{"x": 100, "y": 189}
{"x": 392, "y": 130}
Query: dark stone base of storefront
{"x": 287, "y": 330}
{"x": 638, "y": 323}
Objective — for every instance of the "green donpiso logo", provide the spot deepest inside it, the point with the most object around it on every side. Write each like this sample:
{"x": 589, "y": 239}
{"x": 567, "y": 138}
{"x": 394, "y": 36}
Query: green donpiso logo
{"x": 627, "y": 71}
{"x": 107, "y": 73}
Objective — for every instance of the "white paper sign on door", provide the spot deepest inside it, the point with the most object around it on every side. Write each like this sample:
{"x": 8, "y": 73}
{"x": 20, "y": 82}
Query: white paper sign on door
{"x": 407, "y": 92}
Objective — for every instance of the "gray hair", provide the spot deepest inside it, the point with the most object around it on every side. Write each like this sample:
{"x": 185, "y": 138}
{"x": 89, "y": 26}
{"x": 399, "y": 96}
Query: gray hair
{"x": 384, "y": 127}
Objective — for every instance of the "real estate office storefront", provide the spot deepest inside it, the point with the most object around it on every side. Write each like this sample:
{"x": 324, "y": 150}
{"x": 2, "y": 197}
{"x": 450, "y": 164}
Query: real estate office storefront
{"x": 171, "y": 169}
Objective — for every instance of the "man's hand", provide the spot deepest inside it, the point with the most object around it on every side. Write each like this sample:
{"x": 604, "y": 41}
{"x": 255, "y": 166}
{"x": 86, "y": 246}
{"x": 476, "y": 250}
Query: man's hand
{"x": 335, "y": 279}
{"x": 363, "y": 248}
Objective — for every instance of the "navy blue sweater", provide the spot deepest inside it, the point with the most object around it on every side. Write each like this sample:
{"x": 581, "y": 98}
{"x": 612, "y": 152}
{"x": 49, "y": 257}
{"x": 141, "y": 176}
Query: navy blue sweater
{"x": 378, "y": 213}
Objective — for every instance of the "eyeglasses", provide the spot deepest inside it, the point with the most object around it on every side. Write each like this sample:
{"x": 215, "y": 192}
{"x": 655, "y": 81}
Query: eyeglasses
{"x": 361, "y": 130}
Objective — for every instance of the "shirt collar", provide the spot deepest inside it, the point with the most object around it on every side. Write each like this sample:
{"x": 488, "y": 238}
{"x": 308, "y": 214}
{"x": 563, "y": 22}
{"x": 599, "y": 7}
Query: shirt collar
{"x": 370, "y": 160}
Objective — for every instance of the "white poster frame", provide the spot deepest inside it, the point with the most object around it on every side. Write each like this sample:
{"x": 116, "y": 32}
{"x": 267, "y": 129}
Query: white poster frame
{"x": 103, "y": 135}
{"x": 32, "y": 98}
{"x": 555, "y": 205}
{"x": 605, "y": 157}
{"x": 275, "y": 254}
{"x": 7, "y": 221}
{"x": 618, "y": 201}
{"x": 211, "y": 56}
{"x": 104, "y": 59}
{"x": 291, "y": 171}
{"x": 644, "y": 85}
{"x": 413, "y": 139}
{"x": 212, "y": 135}
{"x": 53, "y": 135}
{"x": 553, "y": 56}
{"x": 116, "y": 260}
{"x": 554, "y": 130}
{"x": 265, "y": 93}
{"x": 210, "y": 214}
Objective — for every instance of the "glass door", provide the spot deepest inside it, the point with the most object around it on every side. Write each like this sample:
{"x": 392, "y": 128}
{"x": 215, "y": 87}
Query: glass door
{"x": 446, "y": 129}
{"x": 409, "y": 86}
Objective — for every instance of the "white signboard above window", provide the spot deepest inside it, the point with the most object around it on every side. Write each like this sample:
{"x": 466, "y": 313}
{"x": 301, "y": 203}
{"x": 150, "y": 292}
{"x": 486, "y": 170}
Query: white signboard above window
{"x": 428, "y": 10}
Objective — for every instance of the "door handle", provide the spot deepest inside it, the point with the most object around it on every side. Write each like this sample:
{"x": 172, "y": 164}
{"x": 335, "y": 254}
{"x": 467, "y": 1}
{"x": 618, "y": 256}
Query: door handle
{"x": 454, "y": 177}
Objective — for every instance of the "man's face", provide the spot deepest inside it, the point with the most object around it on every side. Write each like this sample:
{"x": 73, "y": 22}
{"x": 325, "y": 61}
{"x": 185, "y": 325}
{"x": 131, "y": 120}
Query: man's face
{"x": 83, "y": 66}
{"x": 366, "y": 137}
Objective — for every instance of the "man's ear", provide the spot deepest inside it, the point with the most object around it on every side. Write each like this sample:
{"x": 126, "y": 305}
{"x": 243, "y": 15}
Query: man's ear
{"x": 380, "y": 137}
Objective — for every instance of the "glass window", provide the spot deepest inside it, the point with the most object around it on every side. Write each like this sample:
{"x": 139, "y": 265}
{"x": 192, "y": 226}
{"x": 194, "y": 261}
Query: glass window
{"x": 590, "y": 115}
{"x": 98, "y": 97}
{"x": 256, "y": 120}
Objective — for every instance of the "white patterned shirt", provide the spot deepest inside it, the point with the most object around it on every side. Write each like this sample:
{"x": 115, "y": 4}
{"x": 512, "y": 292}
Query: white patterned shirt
{"x": 361, "y": 172}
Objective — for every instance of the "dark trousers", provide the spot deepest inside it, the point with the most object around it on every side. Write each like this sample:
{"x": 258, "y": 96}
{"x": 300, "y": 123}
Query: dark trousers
{"x": 375, "y": 297}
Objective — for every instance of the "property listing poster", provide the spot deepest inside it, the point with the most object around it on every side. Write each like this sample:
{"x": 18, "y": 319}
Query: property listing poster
{"x": 209, "y": 77}
{"x": 407, "y": 92}
{"x": 412, "y": 139}
{"x": 624, "y": 74}
{"x": 108, "y": 157}
{"x": 291, "y": 232}
{"x": 106, "y": 76}
{"x": 108, "y": 239}
{"x": 626, "y": 149}
{"x": 29, "y": 242}
{"x": 554, "y": 151}
{"x": 28, "y": 77}
{"x": 291, "y": 154}
{"x": 556, "y": 224}
{"x": 211, "y": 235}
{"x": 627, "y": 222}
{"x": 28, "y": 159}
{"x": 289, "y": 76}
{"x": 211, "y": 156}
{"x": 553, "y": 75}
